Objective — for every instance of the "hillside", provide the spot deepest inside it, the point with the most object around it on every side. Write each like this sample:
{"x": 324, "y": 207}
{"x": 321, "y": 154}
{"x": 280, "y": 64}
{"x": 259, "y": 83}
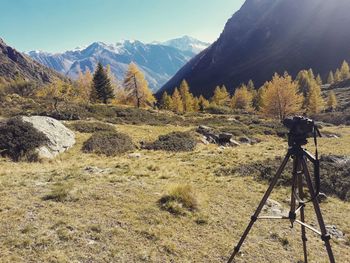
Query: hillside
{"x": 15, "y": 64}
{"x": 267, "y": 36}
{"x": 159, "y": 61}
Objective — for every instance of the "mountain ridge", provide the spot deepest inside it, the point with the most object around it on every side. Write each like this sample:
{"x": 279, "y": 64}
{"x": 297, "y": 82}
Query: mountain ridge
{"x": 159, "y": 61}
{"x": 267, "y": 36}
{"x": 14, "y": 64}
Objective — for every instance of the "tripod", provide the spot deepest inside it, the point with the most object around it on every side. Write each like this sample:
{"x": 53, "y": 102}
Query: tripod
{"x": 300, "y": 172}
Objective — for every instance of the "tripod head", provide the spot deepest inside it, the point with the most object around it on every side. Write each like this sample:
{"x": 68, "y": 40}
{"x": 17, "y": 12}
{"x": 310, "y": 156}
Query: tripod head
{"x": 301, "y": 128}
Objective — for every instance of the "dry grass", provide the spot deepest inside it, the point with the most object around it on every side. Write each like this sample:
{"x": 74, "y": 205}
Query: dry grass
{"x": 114, "y": 216}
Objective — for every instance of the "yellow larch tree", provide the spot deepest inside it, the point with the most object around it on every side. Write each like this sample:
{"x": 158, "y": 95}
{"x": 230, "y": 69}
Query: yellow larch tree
{"x": 221, "y": 96}
{"x": 177, "y": 101}
{"x": 203, "y": 103}
{"x": 136, "y": 87}
{"x": 332, "y": 102}
{"x": 281, "y": 97}
{"x": 315, "y": 102}
{"x": 186, "y": 96}
{"x": 242, "y": 99}
{"x": 344, "y": 71}
{"x": 84, "y": 86}
{"x": 166, "y": 102}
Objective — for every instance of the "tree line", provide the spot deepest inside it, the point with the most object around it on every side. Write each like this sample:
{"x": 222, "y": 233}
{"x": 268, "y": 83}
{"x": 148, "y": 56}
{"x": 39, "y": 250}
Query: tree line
{"x": 279, "y": 97}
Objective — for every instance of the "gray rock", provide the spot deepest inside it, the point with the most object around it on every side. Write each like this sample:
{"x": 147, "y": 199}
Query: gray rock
{"x": 60, "y": 137}
{"x": 97, "y": 170}
{"x": 245, "y": 139}
{"x": 135, "y": 155}
{"x": 335, "y": 232}
{"x": 322, "y": 197}
{"x": 273, "y": 208}
{"x": 234, "y": 143}
{"x": 225, "y": 137}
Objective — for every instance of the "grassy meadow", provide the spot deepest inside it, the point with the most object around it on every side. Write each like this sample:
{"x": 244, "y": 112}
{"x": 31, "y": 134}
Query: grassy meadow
{"x": 89, "y": 208}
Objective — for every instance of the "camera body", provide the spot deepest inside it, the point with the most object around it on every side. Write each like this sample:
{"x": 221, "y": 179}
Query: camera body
{"x": 300, "y": 128}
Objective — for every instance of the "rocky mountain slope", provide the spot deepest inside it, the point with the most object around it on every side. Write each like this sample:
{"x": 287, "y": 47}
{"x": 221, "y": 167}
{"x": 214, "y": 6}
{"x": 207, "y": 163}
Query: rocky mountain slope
{"x": 267, "y": 36}
{"x": 15, "y": 64}
{"x": 159, "y": 61}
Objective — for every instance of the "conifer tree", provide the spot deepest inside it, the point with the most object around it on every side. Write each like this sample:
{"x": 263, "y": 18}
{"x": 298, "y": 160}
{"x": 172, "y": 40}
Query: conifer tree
{"x": 332, "y": 102}
{"x": 102, "y": 85}
{"x": 345, "y": 71}
{"x": 319, "y": 80}
{"x": 186, "y": 96}
{"x": 311, "y": 74}
{"x": 221, "y": 96}
{"x": 203, "y": 103}
{"x": 242, "y": 98}
{"x": 330, "y": 79}
{"x": 136, "y": 87}
{"x": 281, "y": 97}
{"x": 166, "y": 102}
{"x": 337, "y": 76}
{"x": 305, "y": 81}
{"x": 84, "y": 86}
{"x": 315, "y": 102}
{"x": 250, "y": 85}
{"x": 177, "y": 101}
{"x": 196, "y": 107}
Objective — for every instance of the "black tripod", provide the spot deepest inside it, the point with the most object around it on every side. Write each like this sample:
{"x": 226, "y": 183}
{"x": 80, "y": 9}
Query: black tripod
{"x": 300, "y": 172}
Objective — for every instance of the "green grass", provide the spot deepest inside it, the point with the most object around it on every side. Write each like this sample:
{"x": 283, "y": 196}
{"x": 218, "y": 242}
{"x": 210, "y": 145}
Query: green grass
{"x": 116, "y": 217}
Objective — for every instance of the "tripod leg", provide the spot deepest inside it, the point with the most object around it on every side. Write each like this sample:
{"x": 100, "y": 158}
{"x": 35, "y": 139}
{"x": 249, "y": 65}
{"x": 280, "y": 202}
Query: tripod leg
{"x": 302, "y": 216}
{"x": 292, "y": 214}
{"x": 325, "y": 236}
{"x": 254, "y": 218}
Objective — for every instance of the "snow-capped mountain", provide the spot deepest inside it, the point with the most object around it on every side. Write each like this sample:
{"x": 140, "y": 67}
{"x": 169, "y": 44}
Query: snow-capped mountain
{"x": 158, "y": 61}
{"x": 187, "y": 43}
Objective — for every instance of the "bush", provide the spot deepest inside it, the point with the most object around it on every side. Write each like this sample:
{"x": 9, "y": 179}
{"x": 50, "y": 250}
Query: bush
{"x": 60, "y": 193}
{"x": 335, "y": 173}
{"x": 220, "y": 110}
{"x": 108, "y": 143}
{"x": 90, "y": 127}
{"x": 180, "y": 200}
{"x": 19, "y": 139}
{"x": 174, "y": 142}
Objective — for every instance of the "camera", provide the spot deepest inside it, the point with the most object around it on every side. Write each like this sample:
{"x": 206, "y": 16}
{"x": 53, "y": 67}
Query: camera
{"x": 300, "y": 128}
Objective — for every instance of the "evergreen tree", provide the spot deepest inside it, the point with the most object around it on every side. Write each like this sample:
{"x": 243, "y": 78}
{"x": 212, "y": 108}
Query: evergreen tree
{"x": 332, "y": 101}
{"x": 330, "y": 79}
{"x": 315, "y": 102}
{"x": 203, "y": 103}
{"x": 166, "y": 102}
{"x": 280, "y": 97}
{"x": 242, "y": 98}
{"x": 177, "y": 101}
{"x": 136, "y": 87}
{"x": 337, "y": 76}
{"x": 103, "y": 90}
{"x": 319, "y": 80}
{"x": 345, "y": 71}
{"x": 187, "y": 97}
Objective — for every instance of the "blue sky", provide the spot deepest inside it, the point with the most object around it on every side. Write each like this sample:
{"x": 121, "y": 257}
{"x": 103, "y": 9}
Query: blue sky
{"x": 57, "y": 25}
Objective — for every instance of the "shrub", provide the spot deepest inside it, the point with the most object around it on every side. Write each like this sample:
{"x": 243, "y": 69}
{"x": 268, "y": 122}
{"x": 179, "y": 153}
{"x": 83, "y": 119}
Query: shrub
{"x": 335, "y": 173}
{"x": 180, "y": 200}
{"x": 108, "y": 143}
{"x": 91, "y": 127}
{"x": 174, "y": 142}
{"x": 220, "y": 110}
{"x": 19, "y": 139}
{"x": 60, "y": 193}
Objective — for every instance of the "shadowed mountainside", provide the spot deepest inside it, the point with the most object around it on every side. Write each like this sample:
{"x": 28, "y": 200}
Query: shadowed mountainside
{"x": 267, "y": 36}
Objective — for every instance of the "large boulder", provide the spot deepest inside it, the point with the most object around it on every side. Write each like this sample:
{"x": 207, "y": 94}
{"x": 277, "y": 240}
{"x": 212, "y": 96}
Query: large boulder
{"x": 60, "y": 138}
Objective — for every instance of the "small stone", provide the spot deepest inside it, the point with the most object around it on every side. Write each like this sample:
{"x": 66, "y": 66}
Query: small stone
{"x": 234, "y": 143}
{"x": 135, "y": 155}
